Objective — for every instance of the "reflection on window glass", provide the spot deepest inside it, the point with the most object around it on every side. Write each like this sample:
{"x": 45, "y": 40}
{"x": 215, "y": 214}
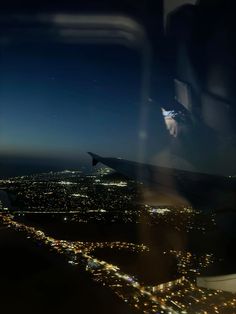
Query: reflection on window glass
{"x": 107, "y": 202}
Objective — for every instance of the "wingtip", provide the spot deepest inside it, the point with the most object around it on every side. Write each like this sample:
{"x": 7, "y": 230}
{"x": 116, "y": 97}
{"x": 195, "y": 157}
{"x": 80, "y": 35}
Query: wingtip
{"x": 94, "y": 159}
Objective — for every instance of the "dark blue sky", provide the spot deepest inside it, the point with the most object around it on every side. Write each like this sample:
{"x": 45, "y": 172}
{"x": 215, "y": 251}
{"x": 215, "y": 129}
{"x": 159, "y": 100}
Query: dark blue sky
{"x": 59, "y": 101}
{"x": 64, "y": 100}
{"x": 69, "y": 99}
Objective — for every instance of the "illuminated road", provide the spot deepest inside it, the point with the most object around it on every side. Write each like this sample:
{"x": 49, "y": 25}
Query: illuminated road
{"x": 179, "y": 296}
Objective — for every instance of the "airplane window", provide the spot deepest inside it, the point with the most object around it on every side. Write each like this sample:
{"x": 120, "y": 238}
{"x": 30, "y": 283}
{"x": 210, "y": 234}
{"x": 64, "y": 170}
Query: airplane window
{"x": 117, "y": 159}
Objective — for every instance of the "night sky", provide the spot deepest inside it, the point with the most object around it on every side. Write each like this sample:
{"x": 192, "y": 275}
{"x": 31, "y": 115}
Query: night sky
{"x": 62, "y": 100}
{"x": 59, "y": 101}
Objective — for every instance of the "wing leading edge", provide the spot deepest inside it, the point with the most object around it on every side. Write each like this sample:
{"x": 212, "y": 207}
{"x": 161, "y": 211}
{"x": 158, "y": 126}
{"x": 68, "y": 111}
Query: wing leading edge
{"x": 200, "y": 190}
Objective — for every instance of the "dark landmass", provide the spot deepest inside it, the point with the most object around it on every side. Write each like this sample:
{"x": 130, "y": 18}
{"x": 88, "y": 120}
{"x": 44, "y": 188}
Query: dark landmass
{"x": 150, "y": 268}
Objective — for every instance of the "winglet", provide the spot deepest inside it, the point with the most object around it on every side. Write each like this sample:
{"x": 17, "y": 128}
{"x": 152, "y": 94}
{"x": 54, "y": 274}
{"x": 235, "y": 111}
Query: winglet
{"x": 94, "y": 159}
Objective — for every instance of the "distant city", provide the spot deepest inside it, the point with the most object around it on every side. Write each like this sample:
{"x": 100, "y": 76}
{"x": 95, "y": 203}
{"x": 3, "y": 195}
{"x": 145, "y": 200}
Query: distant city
{"x": 149, "y": 256}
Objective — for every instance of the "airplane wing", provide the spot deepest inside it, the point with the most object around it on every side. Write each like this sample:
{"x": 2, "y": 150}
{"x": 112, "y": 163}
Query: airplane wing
{"x": 203, "y": 191}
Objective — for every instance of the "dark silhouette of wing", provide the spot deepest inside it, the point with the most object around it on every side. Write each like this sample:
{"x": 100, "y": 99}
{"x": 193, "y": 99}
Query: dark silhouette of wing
{"x": 206, "y": 191}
